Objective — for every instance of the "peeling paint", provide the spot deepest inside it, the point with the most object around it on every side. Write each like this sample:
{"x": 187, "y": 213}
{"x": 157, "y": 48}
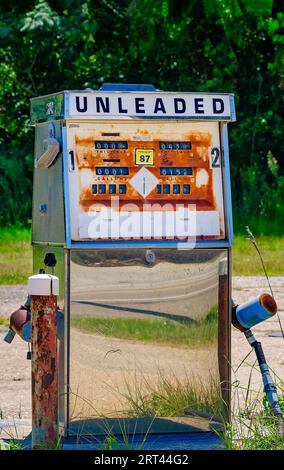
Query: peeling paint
{"x": 106, "y": 173}
{"x": 88, "y": 158}
{"x": 44, "y": 371}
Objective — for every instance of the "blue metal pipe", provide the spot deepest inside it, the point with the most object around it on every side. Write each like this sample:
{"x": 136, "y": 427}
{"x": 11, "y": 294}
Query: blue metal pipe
{"x": 255, "y": 311}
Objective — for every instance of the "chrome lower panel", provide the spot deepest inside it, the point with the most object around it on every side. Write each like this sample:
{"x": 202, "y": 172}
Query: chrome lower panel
{"x": 118, "y": 369}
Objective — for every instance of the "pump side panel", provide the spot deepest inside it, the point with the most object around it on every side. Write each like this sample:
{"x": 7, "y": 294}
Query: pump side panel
{"x": 48, "y": 205}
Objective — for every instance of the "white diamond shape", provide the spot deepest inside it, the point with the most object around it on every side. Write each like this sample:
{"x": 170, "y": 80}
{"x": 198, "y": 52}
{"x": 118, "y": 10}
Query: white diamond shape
{"x": 144, "y": 181}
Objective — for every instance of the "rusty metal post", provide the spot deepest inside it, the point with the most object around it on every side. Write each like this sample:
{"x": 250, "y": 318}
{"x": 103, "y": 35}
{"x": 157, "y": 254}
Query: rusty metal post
{"x": 43, "y": 290}
{"x": 224, "y": 323}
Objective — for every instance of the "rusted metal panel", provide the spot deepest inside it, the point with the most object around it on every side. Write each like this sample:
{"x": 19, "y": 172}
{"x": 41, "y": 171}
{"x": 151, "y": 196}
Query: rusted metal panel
{"x": 183, "y": 155}
{"x": 44, "y": 371}
{"x": 196, "y": 158}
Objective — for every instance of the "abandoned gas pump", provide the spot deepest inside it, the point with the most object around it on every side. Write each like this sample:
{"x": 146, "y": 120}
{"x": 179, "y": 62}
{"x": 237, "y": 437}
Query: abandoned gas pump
{"x": 132, "y": 204}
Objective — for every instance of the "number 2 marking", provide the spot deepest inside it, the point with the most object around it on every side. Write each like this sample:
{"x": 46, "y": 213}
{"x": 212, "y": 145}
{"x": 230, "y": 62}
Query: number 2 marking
{"x": 215, "y": 157}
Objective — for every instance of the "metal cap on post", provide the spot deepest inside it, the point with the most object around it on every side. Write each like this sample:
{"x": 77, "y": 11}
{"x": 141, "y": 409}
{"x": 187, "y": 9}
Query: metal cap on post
{"x": 43, "y": 290}
{"x": 43, "y": 284}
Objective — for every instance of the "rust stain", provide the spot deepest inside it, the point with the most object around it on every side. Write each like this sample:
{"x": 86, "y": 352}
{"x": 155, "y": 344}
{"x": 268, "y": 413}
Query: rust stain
{"x": 268, "y": 302}
{"x": 44, "y": 370}
{"x": 89, "y": 158}
{"x": 142, "y": 131}
{"x": 223, "y": 342}
{"x": 198, "y": 158}
{"x": 18, "y": 319}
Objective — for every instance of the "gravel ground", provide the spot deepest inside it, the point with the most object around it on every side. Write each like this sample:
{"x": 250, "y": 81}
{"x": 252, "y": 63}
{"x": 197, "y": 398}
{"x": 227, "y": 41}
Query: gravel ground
{"x": 15, "y": 399}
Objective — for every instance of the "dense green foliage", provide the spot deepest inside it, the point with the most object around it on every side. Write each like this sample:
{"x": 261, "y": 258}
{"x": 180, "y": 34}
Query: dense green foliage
{"x": 216, "y": 45}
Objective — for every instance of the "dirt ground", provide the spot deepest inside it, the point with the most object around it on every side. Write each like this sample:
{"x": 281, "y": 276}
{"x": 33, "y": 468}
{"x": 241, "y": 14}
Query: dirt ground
{"x": 15, "y": 400}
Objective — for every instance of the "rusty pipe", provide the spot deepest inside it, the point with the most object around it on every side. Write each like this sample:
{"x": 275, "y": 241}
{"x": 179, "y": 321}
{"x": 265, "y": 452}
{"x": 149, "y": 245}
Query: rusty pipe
{"x": 223, "y": 336}
{"x": 253, "y": 311}
{"x": 20, "y": 323}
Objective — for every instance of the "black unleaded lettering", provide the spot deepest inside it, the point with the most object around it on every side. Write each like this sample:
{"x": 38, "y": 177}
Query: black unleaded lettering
{"x": 101, "y": 104}
{"x": 198, "y": 105}
{"x": 218, "y": 106}
{"x": 159, "y": 106}
{"x": 81, "y": 108}
{"x": 120, "y": 108}
{"x": 139, "y": 105}
{"x": 180, "y": 106}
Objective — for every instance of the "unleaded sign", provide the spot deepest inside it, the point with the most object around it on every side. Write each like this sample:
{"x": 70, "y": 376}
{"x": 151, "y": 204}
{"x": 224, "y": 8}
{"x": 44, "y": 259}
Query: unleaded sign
{"x": 154, "y": 105}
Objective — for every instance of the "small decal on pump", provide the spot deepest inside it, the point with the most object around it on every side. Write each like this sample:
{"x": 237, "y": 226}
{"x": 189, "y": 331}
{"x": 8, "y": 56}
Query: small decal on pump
{"x": 50, "y": 108}
{"x": 144, "y": 156}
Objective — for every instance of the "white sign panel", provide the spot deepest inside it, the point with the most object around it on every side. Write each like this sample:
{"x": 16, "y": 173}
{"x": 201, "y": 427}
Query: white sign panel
{"x": 154, "y": 105}
{"x": 182, "y": 224}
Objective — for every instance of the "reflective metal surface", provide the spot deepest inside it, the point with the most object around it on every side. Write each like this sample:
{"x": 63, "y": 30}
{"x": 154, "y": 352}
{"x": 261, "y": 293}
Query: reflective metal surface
{"x": 144, "y": 339}
{"x": 48, "y": 210}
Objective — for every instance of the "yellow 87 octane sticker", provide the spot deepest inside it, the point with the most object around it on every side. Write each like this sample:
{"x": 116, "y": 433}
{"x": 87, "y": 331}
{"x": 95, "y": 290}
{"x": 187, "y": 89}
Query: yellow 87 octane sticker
{"x": 144, "y": 156}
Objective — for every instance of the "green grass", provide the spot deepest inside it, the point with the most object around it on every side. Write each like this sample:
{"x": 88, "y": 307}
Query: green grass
{"x": 15, "y": 255}
{"x": 253, "y": 425}
{"x": 11, "y": 445}
{"x": 246, "y": 261}
{"x": 169, "y": 332}
{"x": 172, "y": 397}
{"x": 4, "y": 321}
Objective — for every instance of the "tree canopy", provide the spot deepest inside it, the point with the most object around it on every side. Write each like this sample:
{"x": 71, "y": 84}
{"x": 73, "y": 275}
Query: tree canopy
{"x": 188, "y": 45}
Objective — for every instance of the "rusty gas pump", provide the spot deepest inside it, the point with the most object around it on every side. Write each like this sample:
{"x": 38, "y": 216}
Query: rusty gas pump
{"x": 132, "y": 205}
